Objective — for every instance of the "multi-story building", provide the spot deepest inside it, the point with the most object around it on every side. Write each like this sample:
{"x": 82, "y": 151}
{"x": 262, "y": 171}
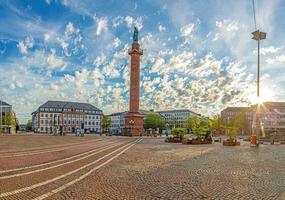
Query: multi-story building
{"x": 272, "y": 118}
{"x": 7, "y": 126}
{"x": 118, "y": 120}
{"x": 229, "y": 113}
{"x": 177, "y": 118}
{"x": 66, "y": 116}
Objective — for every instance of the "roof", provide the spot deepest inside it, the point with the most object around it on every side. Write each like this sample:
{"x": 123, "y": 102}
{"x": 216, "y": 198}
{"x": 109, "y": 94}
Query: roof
{"x": 236, "y": 109}
{"x": 178, "y": 110}
{"x": 118, "y": 113}
{"x": 3, "y": 103}
{"x": 72, "y": 105}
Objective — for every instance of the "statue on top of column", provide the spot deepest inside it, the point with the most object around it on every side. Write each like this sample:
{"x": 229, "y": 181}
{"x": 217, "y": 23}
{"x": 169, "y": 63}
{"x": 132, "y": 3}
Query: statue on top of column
{"x": 136, "y": 35}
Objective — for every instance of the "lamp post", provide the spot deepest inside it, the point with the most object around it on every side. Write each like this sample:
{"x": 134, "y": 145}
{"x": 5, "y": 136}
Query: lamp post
{"x": 258, "y": 35}
{"x": 132, "y": 122}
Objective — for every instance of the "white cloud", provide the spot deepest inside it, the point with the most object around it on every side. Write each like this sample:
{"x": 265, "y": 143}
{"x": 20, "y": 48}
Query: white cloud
{"x": 102, "y": 24}
{"x": 22, "y": 47}
{"x": 54, "y": 62}
{"x": 54, "y": 87}
{"x": 28, "y": 43}
{"x": 117, "y": 42}
{"x": 269, "y": 49}
{"x": 130, "y": 21}
{"x": 117, "y": 21}
{"x": 187, "y": 30}
{"x": 161, "y": 28}
{"x": 277, "y": 59}
{"x": 228, "y": 25}
{"x": 71, "y": 41}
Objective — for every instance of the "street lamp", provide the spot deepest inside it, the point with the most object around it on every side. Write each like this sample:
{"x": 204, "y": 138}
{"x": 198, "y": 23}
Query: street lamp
{"x": 258, "y": 35}
{"x": 132, "y": 122}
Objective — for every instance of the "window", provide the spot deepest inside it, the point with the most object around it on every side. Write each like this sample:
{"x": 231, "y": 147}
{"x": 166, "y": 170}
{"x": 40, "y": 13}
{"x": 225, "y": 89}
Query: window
{"x": 42, "y": 128}
{"x": 42, "y": 115}
{"x": 46, "y": 115}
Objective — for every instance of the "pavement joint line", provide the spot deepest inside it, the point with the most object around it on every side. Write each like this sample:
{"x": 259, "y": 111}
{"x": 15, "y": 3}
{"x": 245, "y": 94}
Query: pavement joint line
{"x": 41, "y": 152}
{"x": 6, "y": 194}
{"x": 59, "y": 165}
{"x": 48, "y": 194}
{"x": 48, "y": 163}
{"x": 49, "y": 147}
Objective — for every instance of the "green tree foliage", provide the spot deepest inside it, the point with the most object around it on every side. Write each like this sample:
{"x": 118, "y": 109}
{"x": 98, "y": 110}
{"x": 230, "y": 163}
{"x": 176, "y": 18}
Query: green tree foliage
{"x": 199, "y": 127}
{"x": 217, "y": 124}
{"x": 9, "y": 119}
{"x": 106, "y": 122}
{"x": 178, "y": 132}
{"x": 231, "y": 131}
{"x": 29, "y": 125}
{"x": 154, "y": 121}
{"x": 241, "y": 123}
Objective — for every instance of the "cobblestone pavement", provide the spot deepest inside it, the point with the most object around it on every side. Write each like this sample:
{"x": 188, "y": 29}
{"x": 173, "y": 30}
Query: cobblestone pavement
{"x": 127, "y": 168}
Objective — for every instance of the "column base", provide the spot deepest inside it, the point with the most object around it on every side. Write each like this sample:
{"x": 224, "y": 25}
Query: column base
{"x": 133, "y": 125}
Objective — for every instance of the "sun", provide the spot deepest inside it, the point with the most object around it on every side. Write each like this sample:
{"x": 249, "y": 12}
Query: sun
{"x": 266, "y": 94}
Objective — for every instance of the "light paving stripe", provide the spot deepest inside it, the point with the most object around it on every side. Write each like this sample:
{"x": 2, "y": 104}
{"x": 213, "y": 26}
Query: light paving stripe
{"x": 7, "y": 153}
{"x": 46, "y": 195}
{"x": 41, "y": 152}
{"x": 49, "y": 163}
{"x": 59, "y": 165}
{"x": 6, "y": 194}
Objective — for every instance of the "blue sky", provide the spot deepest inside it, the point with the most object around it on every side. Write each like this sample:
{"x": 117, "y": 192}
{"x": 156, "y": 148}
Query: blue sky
{"x": 197, "y": 54}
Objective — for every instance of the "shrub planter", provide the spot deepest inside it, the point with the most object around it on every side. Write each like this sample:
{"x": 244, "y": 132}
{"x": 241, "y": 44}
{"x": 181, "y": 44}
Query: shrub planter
{"x": 195, "y": 141}
{"x": 173, "y": 139}
{"x": 231, "y": 143}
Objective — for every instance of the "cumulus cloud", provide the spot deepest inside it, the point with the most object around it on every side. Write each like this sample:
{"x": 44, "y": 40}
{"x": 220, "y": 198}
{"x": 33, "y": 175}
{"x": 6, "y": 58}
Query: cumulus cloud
{"x": 28, "y": 43}
{"x": 102, "y": 24}
{"x": 116, "y": 42}
{"x": 277, "y": 59}
{"x": 55, "y": 62}
{"x": 161, "y": 28}
{"x": 71, "y": 41}
{"x": 269, "y": 49}
{"x": 130, "y": 21}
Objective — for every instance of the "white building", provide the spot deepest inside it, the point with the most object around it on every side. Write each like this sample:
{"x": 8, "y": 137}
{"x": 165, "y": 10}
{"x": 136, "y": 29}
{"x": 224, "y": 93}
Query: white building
{"x": 66, "y": 116}
{"x": 177, "y": 118}
{"x": 118, "y": 120}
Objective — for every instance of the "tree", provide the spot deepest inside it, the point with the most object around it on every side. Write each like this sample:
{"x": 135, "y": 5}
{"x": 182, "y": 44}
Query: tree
{"x": 154, "y": 121}
{"x": 29, "y": 125}
{"x": 241, "y": 123}
{"x": 178, "y": 132}
{"x": 106, "y": 122}
{"x": 9, "y": 119}
{"x": 199, "y": 127}
{"x": 217, "y": 124}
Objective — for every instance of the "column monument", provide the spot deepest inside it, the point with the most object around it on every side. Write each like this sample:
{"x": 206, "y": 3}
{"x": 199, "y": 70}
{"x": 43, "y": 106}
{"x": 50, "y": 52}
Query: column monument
{"x": 134, "y": 119}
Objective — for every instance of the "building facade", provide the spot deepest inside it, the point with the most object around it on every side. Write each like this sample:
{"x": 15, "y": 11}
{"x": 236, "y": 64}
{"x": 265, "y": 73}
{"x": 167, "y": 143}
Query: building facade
{"x": 118, "y": 121}
{"x": 272, "y": 117}
{"x": 5, "y": 125}
{"x": 230, "y": 113}
{"x": 177, "y": 118}
{"x": 67, "y": 117}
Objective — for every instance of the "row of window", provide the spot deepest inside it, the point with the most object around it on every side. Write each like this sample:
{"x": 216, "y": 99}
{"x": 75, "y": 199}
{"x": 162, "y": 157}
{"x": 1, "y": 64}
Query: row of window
{"x": 51, "y": 115}
{"x": 47, "y": 129}
{"x": 70, "y": 110}
{"x": 49, "y": 122}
